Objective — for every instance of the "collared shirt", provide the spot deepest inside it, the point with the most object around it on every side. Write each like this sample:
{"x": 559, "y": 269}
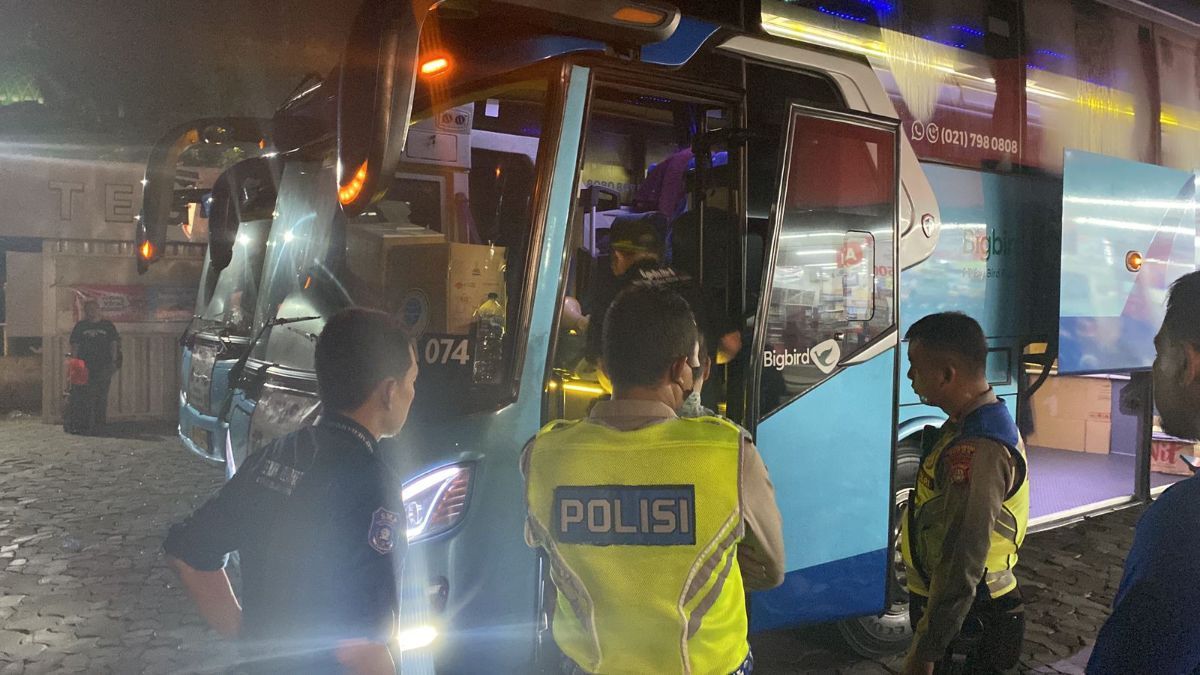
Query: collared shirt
{"x": 764, "y": 525}
{"x": 974, "y": 500}
{"x": 1155, "y": 623}
{"x": 318, "y": 521}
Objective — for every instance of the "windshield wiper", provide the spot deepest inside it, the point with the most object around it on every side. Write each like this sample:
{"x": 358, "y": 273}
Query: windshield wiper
{"x": 235, "y": 373}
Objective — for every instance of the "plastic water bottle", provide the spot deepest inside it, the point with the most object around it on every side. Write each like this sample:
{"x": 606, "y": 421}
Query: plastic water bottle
{"x": 487, "y": 366}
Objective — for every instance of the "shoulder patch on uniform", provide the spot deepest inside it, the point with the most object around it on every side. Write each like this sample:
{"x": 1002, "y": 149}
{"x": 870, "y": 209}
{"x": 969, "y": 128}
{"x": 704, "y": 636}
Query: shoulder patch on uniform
{"x": 958, "y": 462}
{"x": 385, "y": 528}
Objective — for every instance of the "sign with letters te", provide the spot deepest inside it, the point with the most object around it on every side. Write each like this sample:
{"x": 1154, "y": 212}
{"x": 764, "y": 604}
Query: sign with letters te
{"x": 630, "y": 515}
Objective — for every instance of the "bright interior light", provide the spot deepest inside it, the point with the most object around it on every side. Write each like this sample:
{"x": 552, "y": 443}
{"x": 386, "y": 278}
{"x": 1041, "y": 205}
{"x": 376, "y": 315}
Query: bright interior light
{"x": 415, "y": 637}
{"x": 147, "y": 250}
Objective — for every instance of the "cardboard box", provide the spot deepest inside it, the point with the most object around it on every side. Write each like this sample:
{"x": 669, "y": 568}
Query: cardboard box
{"x": 1164, "y": 456}
{"x": 1097, "y": 436}
{"x": 367, "y": 248}
{"x": 436, "y": 288}
{"x": 1073, "y": 413}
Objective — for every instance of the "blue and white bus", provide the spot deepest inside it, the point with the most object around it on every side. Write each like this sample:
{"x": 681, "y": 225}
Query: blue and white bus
{"x": 217, "y": 172}
{"x": 797, "y": 153}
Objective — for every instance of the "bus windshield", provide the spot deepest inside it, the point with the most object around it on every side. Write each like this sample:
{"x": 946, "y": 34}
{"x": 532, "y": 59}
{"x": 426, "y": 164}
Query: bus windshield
{"x": 444, "y": 249}
{"x": 227, "y": 297}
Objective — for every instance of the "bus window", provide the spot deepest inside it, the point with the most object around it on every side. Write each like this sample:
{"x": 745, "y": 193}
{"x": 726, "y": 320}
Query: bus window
{"x": 662, "y": 160}
{"x": 831, "y": 290}
{"x": 226, "y": 298}
{"x": 450, "y": 235}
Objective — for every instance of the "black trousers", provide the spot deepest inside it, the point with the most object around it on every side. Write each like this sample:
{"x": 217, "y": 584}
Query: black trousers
{"x": 96, "y": 398}
{"x": 990, "y": 639}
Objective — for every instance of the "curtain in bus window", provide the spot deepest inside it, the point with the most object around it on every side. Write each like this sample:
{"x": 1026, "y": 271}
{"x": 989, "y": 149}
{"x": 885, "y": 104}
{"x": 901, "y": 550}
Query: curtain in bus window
{"x": 1179, "y": 87}
{"x": 1088, "y": 85}
{"x": 953, "y": 70}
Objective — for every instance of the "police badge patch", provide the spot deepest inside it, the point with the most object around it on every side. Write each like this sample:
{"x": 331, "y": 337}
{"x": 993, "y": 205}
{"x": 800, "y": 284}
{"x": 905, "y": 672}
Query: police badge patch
{"x": 384, "y": 530}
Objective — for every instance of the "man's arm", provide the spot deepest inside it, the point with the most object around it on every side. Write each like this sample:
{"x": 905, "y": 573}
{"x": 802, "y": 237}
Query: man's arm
{"x": 213, "y": 596}
{"x": 976, "y": 474}
{"x": 1153, "y": 626}
{"x": 1152, "y": 630}
{"x": 196, "y": 549}
{"x": 525, "y": 453}
{"x": 760, "y": 554}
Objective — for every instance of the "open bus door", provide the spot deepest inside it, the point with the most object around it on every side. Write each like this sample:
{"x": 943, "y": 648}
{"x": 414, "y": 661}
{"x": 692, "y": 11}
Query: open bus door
{"x": 826, "y": 356}
{"x": 1128, "y": 232}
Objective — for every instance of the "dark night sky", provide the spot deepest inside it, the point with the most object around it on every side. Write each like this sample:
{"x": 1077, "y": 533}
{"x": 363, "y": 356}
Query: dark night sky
{"x": 140, "y": 66}
{"x": 136, "y": 67}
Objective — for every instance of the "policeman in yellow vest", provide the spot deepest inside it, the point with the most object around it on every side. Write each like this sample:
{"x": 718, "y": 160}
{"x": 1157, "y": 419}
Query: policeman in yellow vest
{"x": 654, "y": 525}
{"x": 966, "y": 519}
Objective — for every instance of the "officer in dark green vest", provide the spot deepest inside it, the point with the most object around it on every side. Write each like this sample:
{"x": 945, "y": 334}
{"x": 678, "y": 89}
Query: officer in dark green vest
{"x": 966, "y": 518}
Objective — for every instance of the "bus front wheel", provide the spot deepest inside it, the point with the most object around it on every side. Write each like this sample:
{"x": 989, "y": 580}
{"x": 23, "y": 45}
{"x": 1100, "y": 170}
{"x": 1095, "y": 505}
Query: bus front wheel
{"x": 889, "y": 633}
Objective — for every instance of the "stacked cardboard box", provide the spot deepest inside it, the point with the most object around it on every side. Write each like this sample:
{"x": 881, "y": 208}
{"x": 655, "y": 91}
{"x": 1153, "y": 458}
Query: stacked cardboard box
{"x": 1073, "y": 413}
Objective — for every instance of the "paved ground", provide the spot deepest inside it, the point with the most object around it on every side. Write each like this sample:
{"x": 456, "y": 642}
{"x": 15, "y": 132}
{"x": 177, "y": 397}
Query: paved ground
{"x": 83, "y": 587}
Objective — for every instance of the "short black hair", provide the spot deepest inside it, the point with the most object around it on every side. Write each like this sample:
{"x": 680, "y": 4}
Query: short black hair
{"x": 358, "y": 349}
{"x": 952, "y": 333}
{"x": 1182, "y": 320}
{"x": 645, "y": 330}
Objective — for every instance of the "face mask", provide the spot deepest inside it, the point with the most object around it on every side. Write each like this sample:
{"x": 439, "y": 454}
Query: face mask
{"x": 691, "y": 406}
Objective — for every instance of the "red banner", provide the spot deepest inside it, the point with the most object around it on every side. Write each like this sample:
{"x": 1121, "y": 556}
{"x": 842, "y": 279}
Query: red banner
{"x": 133, "y": 304}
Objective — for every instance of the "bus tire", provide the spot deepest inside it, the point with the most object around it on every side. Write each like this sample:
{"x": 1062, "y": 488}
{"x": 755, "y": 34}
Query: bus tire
{"x": 889, "y": 633}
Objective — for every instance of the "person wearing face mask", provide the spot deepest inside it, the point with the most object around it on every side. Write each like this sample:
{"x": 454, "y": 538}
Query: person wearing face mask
{"x": 1153, "y": 627}
{"x": 654, "y": 525}
{"x": 317, "y": 519}
{"x": 965, "y": 520}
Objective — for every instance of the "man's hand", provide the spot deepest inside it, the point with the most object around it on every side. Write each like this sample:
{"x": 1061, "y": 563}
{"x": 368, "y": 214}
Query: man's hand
{"x": 366, "y": 658}
{"x": 754, "y": 570}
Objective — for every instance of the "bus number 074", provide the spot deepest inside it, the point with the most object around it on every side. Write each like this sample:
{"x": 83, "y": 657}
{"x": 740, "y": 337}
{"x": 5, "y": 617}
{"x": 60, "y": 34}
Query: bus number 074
{"x": 444, "y": 350}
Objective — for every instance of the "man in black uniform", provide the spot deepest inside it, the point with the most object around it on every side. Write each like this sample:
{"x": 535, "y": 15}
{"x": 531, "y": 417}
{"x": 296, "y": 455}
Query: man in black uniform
{"x": 637, "y": 253}
{"x": 317, "y": 518}
{"x": 95, "y": 340}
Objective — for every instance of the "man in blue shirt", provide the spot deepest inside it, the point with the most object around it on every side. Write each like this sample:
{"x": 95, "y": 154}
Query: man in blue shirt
{"x": 317, "y": 518}
{"x": 1155, "y": 623}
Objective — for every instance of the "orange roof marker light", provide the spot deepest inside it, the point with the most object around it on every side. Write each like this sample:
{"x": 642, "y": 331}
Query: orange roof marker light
{"x": 350, "y": 191}
{"x": 147, "y": 250}
{"x": 1133, "y": 261}
{"x": 641, "y": 16}
{"x": 435, "y": 66}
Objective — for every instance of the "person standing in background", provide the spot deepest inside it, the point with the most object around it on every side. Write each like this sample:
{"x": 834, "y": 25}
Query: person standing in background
{"x": 96, "y": 340}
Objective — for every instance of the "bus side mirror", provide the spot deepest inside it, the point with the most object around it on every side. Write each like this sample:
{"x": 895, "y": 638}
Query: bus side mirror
{"x": 245, "y": 191}
{"x": 166, "y": 190}
{"x": 375, "y": 83}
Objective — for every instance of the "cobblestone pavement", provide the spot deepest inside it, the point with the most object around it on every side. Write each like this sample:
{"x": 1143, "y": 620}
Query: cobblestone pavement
{"x": 83, "y": 587}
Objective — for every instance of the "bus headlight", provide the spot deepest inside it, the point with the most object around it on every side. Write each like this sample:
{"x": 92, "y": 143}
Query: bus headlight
{"x": 436, "y": 500}
{"x": 415, "y": 637}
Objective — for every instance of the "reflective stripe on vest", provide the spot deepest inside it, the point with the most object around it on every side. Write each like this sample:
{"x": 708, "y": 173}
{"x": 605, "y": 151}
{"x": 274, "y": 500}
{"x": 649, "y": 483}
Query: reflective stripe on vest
{"x": 923, "y": 528}
{"x": 641, "y": 528}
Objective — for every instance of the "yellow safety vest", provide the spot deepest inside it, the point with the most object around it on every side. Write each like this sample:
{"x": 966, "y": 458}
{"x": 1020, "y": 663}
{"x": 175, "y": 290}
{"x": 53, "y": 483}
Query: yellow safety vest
{"x": 641, "y": 528}
{"x": 924, "y": 523}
